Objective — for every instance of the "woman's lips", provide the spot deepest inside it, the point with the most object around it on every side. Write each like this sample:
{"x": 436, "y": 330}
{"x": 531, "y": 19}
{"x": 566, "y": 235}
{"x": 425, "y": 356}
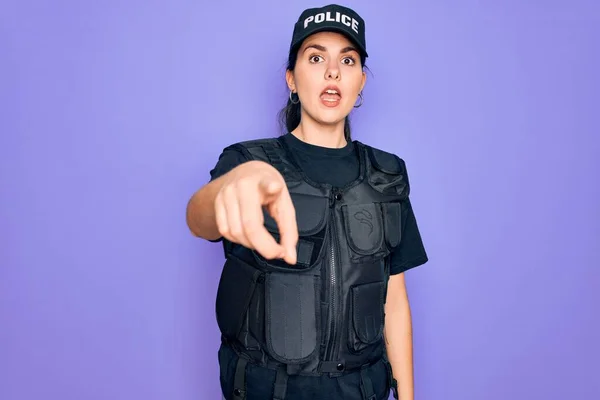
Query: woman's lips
{"x": 330, "y": 97}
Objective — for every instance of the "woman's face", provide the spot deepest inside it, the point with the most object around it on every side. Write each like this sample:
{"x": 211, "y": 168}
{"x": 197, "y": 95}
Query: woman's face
{"x": 328, "y": 77}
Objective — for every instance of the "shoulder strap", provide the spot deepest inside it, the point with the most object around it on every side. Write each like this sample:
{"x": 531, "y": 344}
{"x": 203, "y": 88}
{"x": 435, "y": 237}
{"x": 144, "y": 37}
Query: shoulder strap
{"x": 385, "y": 171}
{"x": 384, "y": 161}
{"x": 273, "y": 152}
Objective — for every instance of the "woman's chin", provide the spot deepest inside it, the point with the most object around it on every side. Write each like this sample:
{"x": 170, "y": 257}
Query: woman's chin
{"x": 330, "y": 115}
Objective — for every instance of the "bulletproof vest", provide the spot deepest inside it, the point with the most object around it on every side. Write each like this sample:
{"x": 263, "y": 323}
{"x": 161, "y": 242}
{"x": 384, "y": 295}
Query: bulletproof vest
{"x": 324, "y": 315}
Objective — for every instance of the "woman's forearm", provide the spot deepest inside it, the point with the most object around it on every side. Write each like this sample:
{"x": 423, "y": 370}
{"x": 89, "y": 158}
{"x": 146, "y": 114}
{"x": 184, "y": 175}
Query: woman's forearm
{"x": 398, "y": 339}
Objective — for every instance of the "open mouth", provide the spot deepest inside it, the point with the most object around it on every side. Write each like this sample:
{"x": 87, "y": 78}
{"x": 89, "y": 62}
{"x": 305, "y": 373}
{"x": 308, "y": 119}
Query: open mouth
{"x": 331, "y": 96}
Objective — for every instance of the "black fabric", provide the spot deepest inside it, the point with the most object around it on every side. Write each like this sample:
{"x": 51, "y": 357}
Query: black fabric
{"x": 280, "y": 387}
{"x": 365, "y": 233}
{"x": 260, "y": 382}
{"x": 367, "y": 312}
{"x": 304, "y": 251}
{"x": 291, "y": 313}
{"x": 366, "y": 386}
{"x": 229, "y": 297}
{"x": 239, "y": 385}
{"x": 339, "y": 167}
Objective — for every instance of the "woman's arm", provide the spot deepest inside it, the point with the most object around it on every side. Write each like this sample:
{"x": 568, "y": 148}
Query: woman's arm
{"x": 232, "y": 205}
{"x": 398, "y": 336}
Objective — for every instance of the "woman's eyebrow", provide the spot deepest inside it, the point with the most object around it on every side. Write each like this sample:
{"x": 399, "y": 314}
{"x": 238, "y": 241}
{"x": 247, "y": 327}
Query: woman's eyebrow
{"x": 316, "y": 46}
{"x": 322, "y": 48}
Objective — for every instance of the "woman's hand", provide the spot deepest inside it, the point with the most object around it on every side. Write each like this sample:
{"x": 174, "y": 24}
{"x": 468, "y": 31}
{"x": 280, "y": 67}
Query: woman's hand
{"x": 239, "y": 216}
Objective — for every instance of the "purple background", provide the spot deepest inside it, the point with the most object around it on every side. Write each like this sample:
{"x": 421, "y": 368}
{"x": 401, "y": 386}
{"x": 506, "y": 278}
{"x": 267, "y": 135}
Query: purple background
{"x": 113, "y": 112}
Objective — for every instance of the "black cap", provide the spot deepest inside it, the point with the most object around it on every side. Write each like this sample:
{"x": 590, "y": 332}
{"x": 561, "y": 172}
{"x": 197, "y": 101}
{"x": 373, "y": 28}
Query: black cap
{"x": 332, "y": 18}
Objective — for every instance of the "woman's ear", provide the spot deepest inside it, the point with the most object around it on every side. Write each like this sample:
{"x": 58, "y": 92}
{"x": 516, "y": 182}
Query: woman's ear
{"x": 364, "y": 81}
{"x": 289, "y": 78}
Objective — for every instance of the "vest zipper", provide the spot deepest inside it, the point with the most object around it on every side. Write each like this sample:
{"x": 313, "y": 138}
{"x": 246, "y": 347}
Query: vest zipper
{"x": 333, "y": 287}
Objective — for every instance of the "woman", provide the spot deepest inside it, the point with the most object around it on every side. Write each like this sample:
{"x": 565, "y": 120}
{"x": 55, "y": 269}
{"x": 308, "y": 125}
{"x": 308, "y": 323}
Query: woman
{"x": 318, "y": 231}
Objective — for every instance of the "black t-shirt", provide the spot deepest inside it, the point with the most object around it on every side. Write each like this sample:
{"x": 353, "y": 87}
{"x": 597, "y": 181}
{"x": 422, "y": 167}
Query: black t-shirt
{"x": 339, "y": 167}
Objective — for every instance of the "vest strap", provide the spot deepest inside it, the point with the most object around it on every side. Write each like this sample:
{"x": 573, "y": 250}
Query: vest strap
{"x": 392, "y": 382}
{"x": 239, "y": 383}
{"x": 273, "y": 157}
{"x": 304, "y": 251}
{"x": 277, "y": 156}
{"x": 280, "y": 388}
{"x": 366, "y": 385}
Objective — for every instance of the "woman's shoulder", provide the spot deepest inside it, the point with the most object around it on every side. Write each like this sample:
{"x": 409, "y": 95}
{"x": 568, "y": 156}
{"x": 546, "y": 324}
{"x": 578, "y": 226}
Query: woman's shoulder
{"x": 384, "y": 160}
{"x": 262, "y": 149}
{"x": 255, "y": 142}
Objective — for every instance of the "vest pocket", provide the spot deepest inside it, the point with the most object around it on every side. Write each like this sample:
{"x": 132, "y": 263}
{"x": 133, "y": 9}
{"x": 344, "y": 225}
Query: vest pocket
{"x": 387, "y": 173}
{"x": 292, "y": 316}
{"x": 366, "y": 315}
{"x": 363, "y": 224}
{"x": 372, "y": 230}
{"x": 236, "y": 288}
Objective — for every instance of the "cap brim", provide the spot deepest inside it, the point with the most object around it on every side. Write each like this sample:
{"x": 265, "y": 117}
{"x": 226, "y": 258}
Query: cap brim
{"x": 296, "y": 45}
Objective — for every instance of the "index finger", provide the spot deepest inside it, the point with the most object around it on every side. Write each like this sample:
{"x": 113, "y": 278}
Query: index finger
{"x": 285, "y": 217}
{"x": 253, "y": 224}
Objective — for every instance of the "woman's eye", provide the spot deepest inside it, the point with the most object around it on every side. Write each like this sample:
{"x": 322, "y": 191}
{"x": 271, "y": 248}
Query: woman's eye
{"x": 315, "y": 59}
{"x": 348, "y": 61}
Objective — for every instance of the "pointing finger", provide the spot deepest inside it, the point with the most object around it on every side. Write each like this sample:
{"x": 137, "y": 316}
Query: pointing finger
{"x": 253, "y": 224}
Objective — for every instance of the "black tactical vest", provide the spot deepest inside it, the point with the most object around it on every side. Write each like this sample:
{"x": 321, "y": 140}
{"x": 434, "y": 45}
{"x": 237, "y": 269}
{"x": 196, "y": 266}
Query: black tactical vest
{"x": 324, "y": 315}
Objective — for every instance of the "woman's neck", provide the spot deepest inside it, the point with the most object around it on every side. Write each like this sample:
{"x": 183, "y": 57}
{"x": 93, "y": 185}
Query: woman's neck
{"x": 331, "y": 136}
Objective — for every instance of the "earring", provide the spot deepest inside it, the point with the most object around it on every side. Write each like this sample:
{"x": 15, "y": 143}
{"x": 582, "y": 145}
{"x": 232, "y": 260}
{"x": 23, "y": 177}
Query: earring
{"x": 294, "y": 102}
{"x": 361, "y": 100}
